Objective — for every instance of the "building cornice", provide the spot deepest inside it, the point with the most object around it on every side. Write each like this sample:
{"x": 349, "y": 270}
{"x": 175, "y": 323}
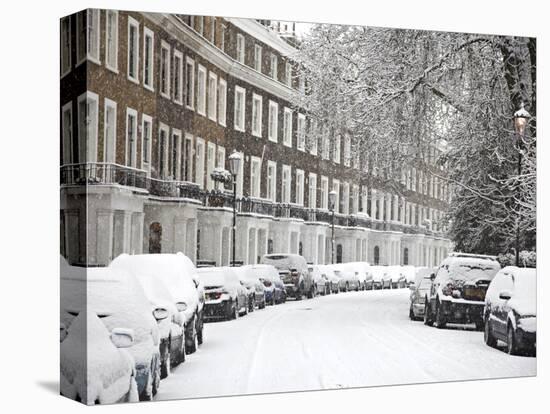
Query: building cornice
{"x": 211, "y": 53}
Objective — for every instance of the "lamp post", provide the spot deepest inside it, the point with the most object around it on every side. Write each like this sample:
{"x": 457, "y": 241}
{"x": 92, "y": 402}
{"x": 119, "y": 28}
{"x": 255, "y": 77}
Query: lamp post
{"x": 332, "y": 205}
{"x": 521, "y": 118}
{"x": 234, "y": 167}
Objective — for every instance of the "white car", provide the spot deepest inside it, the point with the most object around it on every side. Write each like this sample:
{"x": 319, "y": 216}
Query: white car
{"x": 254, "y": 286}
{"x": 381, "y": 277}
{"x": 177, "y": 272}
{"x": 321, "y": 284}
{"x": 120, "y": 302}
{"x": 327, "y": 271}
{"x": 96, "y": 367}
{"x": 274, "y": 286}
{"x": 510, "y": 313}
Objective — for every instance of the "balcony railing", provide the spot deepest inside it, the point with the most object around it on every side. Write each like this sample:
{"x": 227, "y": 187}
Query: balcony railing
{"x": 110, "y": 174}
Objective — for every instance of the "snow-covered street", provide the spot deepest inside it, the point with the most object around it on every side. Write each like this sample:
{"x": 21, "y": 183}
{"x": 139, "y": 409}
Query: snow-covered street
{"x": 336, "y": 341}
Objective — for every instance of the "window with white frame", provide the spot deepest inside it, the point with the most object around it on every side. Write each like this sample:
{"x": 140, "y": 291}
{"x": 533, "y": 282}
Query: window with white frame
{"x": 212, "y": 96}
{"x": 240, "y": 48}
{"x": 147, "y": 140}
{"x": 300, "y": 187}
{"x": 240, "y": 177}
{"x": 325, "y": 150}
{"x": 347, "y": 150}
{"x": 240, "y": 94}
{"x": 81, "y": 36}
{"x": 109, "y": 129}
{"x": 189, "y": 83}
{"x": 199, "y": 162}
{"x": 67, "y": 125}
{"x": 201, "y": 91}
{"x": 286, "y": 183}
{"x": 274, "y": 63}
{"x": 336, "y": 189}
{"x": 163, "y": 150}
{"x": 66, "y": 45}
{"x": 312, "y": 196}
{"x": 355, "y": 199}
{"x": 131, "y": 137}
{"x": 413, "y": 180}
{"x": 111, "y": 40}
{"x": 256, "y": 115}
{"x": 287, "y": 127}
{"x": 200, "y": 28}
{"x": 255, "y": 176}
{"x": 210, "y": 165}
{"x": 336, "y": 151}
{"x": 222, "y": 102}
{"x": 212, "y": 29}
{"x": 312, "y": 136}
{"x": 133, "y": 51}
{"x": 164, "y": 74}
{"x": 364, "y": 199}
{"x": 87, "y": 104}
{"x": 148, "y": 57}
{"x": 301, "y": 141}
{"x": 188, "y": 158}
{"x": 178, "y": 77}
{"x": 356, "y": 157}
{"x": 324, "y": 192}
{"x": 258, "y": 58}
{"x": 271, "y": 182}
{"x": 288, "y": 74}
{"x": 220, "y": 163}
{"x": 302, "y": 83}
{"x": 273, "y": 127}
{"x": 174, "y": 159}
{"x": 345, "y": 198}
{"x": 92, "y": 28}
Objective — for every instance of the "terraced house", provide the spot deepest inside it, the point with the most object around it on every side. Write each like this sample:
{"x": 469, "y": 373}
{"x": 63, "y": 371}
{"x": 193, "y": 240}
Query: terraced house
{"x": 152, "y": 104}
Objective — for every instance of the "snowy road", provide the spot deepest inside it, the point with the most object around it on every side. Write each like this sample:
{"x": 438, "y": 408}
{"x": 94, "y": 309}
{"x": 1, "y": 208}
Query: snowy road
{"x": 346, "y": 340}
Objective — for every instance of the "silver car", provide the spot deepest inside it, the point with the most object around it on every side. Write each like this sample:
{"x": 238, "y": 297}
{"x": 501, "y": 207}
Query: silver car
{"x": 419, "y": 289}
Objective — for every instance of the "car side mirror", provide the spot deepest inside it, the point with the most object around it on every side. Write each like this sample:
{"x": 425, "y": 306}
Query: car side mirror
{"x": 160, "y": 314}
{"x": 505, "y": 295}
{"x": 432, "y": 277}
{"x": 181, "y": 306}
{"x": 122, "y": 338}
{"x": 62, "y": 332}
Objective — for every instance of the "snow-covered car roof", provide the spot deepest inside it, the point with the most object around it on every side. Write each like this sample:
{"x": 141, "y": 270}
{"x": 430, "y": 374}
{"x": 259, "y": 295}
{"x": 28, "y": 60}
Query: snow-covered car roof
{"x": 92, "y": 367}
{"x": 175, "y": 270}
{"x": 265, "y": 271}
{"x": 467, "y": 268}
{"x": 218, "y": 276}
{"x": 284, "y": 261}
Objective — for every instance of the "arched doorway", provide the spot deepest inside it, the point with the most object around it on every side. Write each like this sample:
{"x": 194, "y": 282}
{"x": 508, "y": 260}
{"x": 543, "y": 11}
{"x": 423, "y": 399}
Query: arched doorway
{"x": 269, "y": 246}
{"x": 406, "y": 256}
{"x": 155, "y": 238}
{"x": 339, "y": 253}
{"x": 300, "y": 249}
{"x": 376, "y": 255}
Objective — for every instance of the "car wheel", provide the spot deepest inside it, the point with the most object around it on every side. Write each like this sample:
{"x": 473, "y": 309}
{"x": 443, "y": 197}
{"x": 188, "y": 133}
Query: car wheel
{"x": 165, "y": 368}
{"x": 200, "y": 335}
{"x": 192, "y": 347}
{"x": 440, "y": 318}
{"x": 511, "y": 345}
{"x": 488, "y": 336}
{"x": 427, "y": 314}
{"x": 236, "y": 309}
{"x": 411, "y": 313}
{"x": 155, "y": 369}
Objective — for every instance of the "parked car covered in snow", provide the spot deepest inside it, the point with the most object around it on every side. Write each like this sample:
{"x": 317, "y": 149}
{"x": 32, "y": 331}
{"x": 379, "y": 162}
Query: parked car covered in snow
{"x": 320, "y": 282}
{"x": 254, "y": 286}
{"x": 397, "y": 277}
{"x": 176, "y": 272}
{"x": 381, "y": 277}
{"x": 119, "y": 301}
{"x": 419, "y": 288}
{"x": 226, "y": 297}
{"x": 274, "y": 287}
{"x": 457, "y": 294}
{"x": 294, "y": 273}
{"x": 510, "y": 312}
{"x": 364, "y": 274}
{"x": 410, "y": 274}
{"x": 333, "y": 281}
{"x": 96, "y": 367}
{"x": 171, "y": 326}
{"x": 349, "y": 278}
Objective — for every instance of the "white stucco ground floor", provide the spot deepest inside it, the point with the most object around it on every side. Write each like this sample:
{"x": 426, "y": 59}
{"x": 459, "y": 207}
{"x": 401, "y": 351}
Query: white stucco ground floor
{"x": 100, "y": 222}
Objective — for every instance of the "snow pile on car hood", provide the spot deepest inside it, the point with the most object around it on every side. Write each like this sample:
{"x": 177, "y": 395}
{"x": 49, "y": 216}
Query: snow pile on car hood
{"x": 92, "y": 367}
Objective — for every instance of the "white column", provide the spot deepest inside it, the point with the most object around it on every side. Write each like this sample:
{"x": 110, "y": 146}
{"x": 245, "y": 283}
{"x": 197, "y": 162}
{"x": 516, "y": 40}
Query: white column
{"x": 395, "y": 215}
{"x": 373, "y": 204}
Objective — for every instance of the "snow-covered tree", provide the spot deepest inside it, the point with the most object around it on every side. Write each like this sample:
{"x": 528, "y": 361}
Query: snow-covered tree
{"x": 398, "y": 92}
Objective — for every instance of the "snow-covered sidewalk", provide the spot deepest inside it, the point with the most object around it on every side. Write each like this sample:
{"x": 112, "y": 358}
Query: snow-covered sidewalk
{"x": 346, "y": 340}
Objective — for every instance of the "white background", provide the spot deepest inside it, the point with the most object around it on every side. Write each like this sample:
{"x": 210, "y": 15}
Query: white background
{"x": 29, "y": 151}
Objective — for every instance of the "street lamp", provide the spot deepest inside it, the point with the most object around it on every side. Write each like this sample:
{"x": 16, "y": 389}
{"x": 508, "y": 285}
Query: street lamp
{"x": 234, "y": 167}
{"x": 332, "y": 205}
{"x": 521, "y": 118}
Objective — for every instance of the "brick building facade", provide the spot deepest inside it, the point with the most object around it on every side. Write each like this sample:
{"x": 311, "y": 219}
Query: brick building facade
{"x": 153, "y": 103}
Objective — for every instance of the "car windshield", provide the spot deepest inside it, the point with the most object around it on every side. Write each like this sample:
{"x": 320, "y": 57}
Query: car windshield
{"x": 424, "y": 284}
